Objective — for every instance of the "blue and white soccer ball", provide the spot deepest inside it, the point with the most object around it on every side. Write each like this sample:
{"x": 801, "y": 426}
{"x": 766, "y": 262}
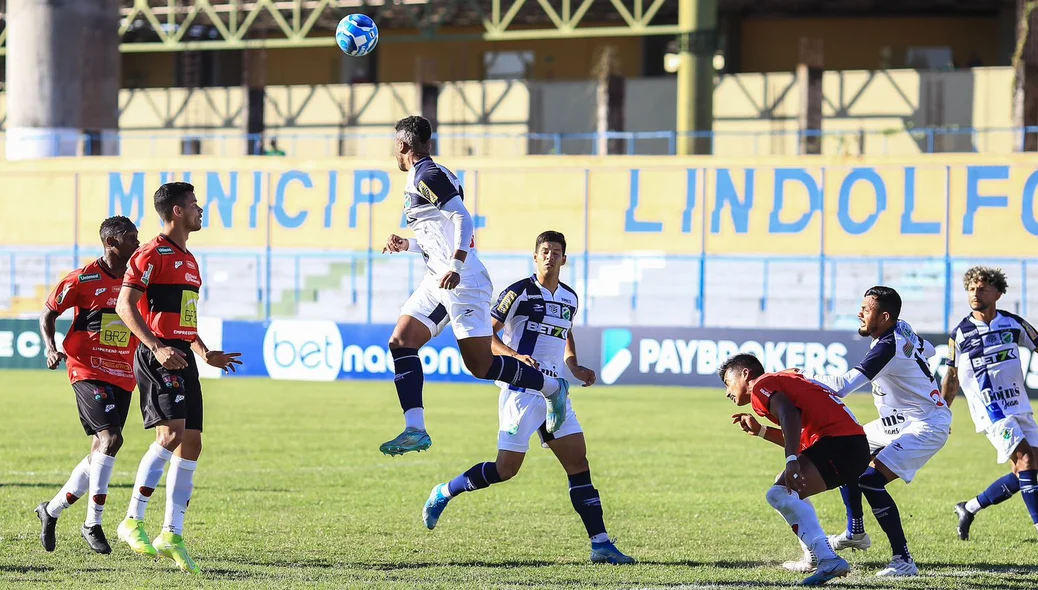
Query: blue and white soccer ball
{"x": 356, "y": 35}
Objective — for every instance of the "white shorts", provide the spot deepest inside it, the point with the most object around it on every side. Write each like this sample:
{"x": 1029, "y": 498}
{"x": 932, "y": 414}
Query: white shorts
{"x": 521, "y": 414}
{"x": 466, "y": 307}
{"x": 905, "y": 452}
{"x": 1009, "y": 432}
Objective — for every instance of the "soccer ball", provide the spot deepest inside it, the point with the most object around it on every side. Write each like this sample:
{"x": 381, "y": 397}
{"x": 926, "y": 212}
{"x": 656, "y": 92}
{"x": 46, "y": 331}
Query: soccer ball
{"x": 356, "y": 35}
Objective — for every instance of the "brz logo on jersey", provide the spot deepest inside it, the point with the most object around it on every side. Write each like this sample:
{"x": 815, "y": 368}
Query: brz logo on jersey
{"x": 616, "y": 354}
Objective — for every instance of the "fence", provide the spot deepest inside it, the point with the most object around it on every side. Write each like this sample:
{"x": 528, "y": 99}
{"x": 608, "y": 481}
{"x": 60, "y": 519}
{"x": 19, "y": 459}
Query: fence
{"x": 873, "y": 142}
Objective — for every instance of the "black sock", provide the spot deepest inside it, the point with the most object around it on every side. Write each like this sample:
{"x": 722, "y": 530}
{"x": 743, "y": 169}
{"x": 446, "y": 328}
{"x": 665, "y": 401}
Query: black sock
{"x": 409, "y": 377}
{"x": 510, "y": 370}
{"x": 587, "y": 503}
{"x": 479, "y": 476}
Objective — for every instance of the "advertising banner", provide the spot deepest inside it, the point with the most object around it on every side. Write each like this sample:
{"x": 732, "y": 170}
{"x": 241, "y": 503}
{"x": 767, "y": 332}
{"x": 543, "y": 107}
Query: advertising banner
{"x": 21, "y": 346}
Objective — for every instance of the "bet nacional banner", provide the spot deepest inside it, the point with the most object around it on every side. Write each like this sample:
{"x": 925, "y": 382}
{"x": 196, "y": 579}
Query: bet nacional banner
{"x": 928, "y": 205}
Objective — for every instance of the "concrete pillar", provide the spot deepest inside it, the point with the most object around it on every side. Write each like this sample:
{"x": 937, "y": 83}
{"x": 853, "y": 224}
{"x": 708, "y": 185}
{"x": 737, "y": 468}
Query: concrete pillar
{"x": 102, "y": 76}
{"x": 698, "y": 21}
{"x": 809, "y": 78}
{"x": 44, "y": 77}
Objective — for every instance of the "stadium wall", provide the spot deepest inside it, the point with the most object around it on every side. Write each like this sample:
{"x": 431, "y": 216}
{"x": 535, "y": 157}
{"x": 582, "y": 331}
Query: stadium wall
{"x": 865, "y": 112}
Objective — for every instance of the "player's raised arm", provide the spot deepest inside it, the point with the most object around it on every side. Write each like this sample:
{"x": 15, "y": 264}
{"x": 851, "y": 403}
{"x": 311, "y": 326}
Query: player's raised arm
{"x": 580, "y": 372}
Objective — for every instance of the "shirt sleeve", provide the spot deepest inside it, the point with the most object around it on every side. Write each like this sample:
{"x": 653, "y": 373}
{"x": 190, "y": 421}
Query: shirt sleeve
{"x": 436, "y": 187}
{"x": 63, "y": 296}
{"x": 953, "y": 351}
{"x": 1028, "y": 336}
{"x": 877, "y": 358}
{"x": 842, "y": 384}
{"x": 506, "y": 303}
{"x": 142, "y": 267}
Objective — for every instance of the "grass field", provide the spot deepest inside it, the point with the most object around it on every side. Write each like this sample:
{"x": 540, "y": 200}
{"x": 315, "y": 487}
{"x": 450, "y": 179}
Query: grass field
{"x": 291, "y": 491}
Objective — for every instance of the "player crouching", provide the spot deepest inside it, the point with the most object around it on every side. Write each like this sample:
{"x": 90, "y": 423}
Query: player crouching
{"x": 825, "y": 447}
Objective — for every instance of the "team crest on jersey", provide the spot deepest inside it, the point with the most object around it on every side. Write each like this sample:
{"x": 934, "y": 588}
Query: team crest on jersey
{"x": 554, "y": 310}
{"x": 566, "y": 313}
{"x": 164, "y": 250}
{"x": 1007, "y": 433}
{"x": 94, "y": 276}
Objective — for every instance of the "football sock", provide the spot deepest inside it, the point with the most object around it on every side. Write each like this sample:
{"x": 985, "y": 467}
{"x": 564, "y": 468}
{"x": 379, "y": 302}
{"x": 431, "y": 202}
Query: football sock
{"x": 873, "y": 484}
{"x": 479, "y": 476}
{"x": 179, "y": 484}
{"x": 101, "y": 466}
{"x": 148, "y": 475}
{"x": 409, "y": 381}
{"x": 1001, "y": 490}
{"x": 855, "y": 513}
{"x": 1029, "y": 492}
{"x": 510, "y": 370}
{"x": 801, "y": 516}
{"x": 588, "y": 505}
{"x": 73, "y": 489}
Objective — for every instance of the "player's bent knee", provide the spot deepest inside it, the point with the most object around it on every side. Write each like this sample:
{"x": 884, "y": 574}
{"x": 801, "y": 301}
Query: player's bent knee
{"x": 109, "y": 442}
{"x": 872, "y": 480}
{"x": 507, "y": 472}
{"x": 776, "y": 496}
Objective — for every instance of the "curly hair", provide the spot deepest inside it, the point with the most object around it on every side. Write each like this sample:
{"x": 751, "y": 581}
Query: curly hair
{"x": 992, "y": 276}
{"x": 114, "y": 226}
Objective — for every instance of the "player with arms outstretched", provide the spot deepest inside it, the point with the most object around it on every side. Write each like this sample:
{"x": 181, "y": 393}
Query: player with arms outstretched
{"x": 825, "y": 447}
{"x": 99, "y": 354}
{"x": 536, "y": 317}
{"x": 983, "y": 359}
{"x": 914, "y": 423}
{"x": 159, "y": 303}
{"x": 456, "y": 289}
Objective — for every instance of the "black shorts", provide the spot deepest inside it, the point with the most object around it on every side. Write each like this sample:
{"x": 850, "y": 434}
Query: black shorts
{"x": 166, "y": 394}
{"x": 839, "y": 459}
{"x": 102, "y": 406}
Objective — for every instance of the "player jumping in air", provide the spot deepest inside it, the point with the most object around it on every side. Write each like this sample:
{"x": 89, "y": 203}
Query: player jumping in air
{"x": 159, "y": 303}
{"x": 914, "y": 423}
{"x": 536, "y": 314}
{"x": 825, "y": 447}
{"x": 456, "y": 290}
{"x": 99, "y": 354}
{"x": 983, "y": 359}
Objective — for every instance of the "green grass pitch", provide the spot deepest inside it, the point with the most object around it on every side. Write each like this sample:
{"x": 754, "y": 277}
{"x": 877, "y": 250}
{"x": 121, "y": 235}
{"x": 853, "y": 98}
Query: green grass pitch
{"x": 291, "y": 491}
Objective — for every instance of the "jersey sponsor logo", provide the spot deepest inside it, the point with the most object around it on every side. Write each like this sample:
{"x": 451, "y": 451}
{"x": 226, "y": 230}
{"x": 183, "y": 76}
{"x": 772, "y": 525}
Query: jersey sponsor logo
{"x": 554, "y": 310}
{"x": 178, "y": 264}
{"x": 999, "y": 356}
{"x": 112, "y": 367}
{"x": 113, "y": 331}
{"x": 893, "y": 422}
{"x": 427, "y": 192}
{"x": 146, "y": 277}
{"x": 506, "y": 301}
{"x": 191, "y": 265}
{"x": 164, "y": 250}
{"x": 99, "y": 291}
{"x": 1005, "y": 397}
{"x": 94, "y": 276}
{"x": 765, "y": 392}
{"x": 997, "y": 337}
{"x": 189, "y": 309}
{"x": 1031, "y": 332}
{"x": 547, "y": 330}
{"x": 112, "y": 302}
{"x": 192, "y": 278}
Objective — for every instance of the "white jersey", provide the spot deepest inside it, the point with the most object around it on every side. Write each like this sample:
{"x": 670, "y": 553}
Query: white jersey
{"x": 988, "y": 362}
{"x": 537, "y": 322}
{"x": 903, "y": 387}
{"x": 430, "y": 187}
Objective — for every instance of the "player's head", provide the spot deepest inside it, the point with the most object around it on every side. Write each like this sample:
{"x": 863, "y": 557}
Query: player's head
{"x": 738, "y": 374}
{"x": 412, "y": 140}
{"x": 119, "y": 235}
{"x": 176, "y": 203}
{"x": 880, "y": 309}
{"x": 984, "y": 286}
{"x": 549, "y": 252}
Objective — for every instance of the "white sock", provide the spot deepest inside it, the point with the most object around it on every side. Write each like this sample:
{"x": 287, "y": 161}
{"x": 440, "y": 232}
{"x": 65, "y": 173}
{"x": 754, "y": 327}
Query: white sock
{"x": 415, "y": 418}
{"x": 551, "y": 386}
{"x": 179, "y": 484}
{"x": 73, "y": 489}
{"x": 973, "y": 506}
{"x": 802, "y": 517}
{"x": 101, "y": 466}
{"x": 148, "y": 475}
